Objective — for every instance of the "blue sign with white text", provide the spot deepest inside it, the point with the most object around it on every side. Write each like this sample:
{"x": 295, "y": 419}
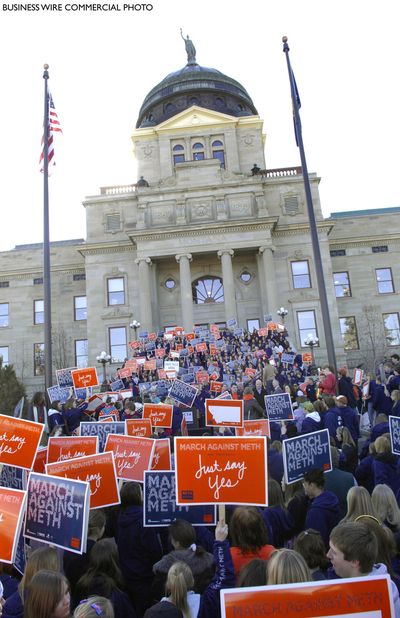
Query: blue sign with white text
{"x": 394, "y": 428}
{"x": 305, "y": 452}
{"x": 279, "y": 407}
{"x": 183, "y": 393}
{"x": 101, "y": 430}
{"x": 159, "y": 502}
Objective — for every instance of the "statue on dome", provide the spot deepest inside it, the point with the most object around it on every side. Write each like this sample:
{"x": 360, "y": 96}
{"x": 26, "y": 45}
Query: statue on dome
{"x": 190, "y": 49}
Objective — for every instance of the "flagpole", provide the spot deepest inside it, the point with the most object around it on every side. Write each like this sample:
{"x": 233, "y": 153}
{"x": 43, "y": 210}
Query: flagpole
{"x": 48, "y": 364}
{"x": 330, "y": 348}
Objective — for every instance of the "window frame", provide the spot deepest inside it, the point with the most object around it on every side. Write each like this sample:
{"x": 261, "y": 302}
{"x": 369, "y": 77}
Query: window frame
{"x": 384, "y": 316}
{"x": 5, "y": 315}
{"x": 111, "y": 345}
{"x": 313, "y": 330}
{"x": 76, "y": 309}
{"x": 109, "y": 292}
{"x": 36, "y": 312}
{"x": 39, "y": 373}
{"x": 341, "y": 285}
{"x": 205, "y": 294}
{"x": 343, "y": 334}
{"x": 378, "y": 282}
{"x": 79, "y": 356}
{"x": 307, "y": 274}
{"x": 7, "y": 362}
{"x": 248, "y": 320}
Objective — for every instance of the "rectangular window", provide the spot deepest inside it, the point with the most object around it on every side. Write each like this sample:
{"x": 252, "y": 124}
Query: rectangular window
{"x": 168, "y": 329}
{"x": 38, "y": 311}
{"x": 38, "y": 359}
{"x": 391, "y": 328}
{"x": 38, "y": 281}
{"x": 118, "y": 349}
{"x": 384, "y": 280}
{"x": 80, "y": 308}
{"x": 342, "y": 284}
{"x": 116, "y": 291}
{"x": 180, "y": 158}
{"x": 79, "y": 277}
{"x": 307, "y": 325}
{"x": 337, "y": 252}
{"x": 81, "y": 353}
{"x": 3, "y": 315}
{"x": 300, "y": 275}
{"x": 253, "y": 324}
{"x": 348, "y": 328}
{"x": 4, "y": 355}
{"x": 380, "y": 249}
{"x": 4, "y": 284}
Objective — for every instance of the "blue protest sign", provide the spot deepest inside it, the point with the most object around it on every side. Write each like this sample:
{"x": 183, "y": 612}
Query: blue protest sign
{"x": 83, "y": 393}
{"x": 288, "y": 358}
{"x": 267, "y": 317}
{"x": 57, "y": 511}
{"x": 238, "y": 332}
{"x": 394, "y": 428}
{"x": 64, "y": 377}
{"x": 143, "y": 334}
{"x": 160, "y": 507}
{"x": 231, "y": 323}
{"x": 150, "y": 346}
{"x": 305, "y": 452}
{"x": 188, "y": 378}
{"x": 20, "y": 555}
{"x": 14, "y": 478}
{"x": 59, "y": 393}
{"x": 183, "y": 393}
{"x": 101, "y": 430}
{"x": 184, "y": 352}
{"x": 279, "y": 407}
{"x": 117, "y": 385}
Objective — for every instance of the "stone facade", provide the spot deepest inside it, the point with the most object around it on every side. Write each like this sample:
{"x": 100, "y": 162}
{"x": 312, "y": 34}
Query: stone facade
{"x": 147, "y": 246}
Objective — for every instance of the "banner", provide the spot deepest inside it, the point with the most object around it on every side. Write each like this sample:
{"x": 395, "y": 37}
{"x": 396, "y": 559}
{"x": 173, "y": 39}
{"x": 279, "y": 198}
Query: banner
{"x": 394, "y": 428}
{"x": 101, "y": 430}
{"x": 19, "y": 441}
{"x": 288, "y": 358}
{"x": 279, "y": 407}
{"x": 183, "y": 393}
{"x": 254, "y": 428}
{"x": 224, "y": 413}
{"x": 160, "y": 414}
{"x": 202, "y": 377}
{"x": 216, "y": 387}
{"x": 57, "y": 511}
{"x": 305, "y": 452}
{"x": 132, "y": 455}
{"x": 306, "y": 357}
{"x": 361, "y": 597}
{"x": 13, "y": 478}
{"x": 59, "y": 393}
{"x": 97, "y": 470}
{"x": 64, "y": 448}
{"x": 159, "y": 504}
{"x": 39, "y": 464}
{"x": 139, "y": 427}
{"x": 161, "y": 455}
{"x": 64, "y": 377}
{"x": 12, "y": 503}
{"x": 221, "y": 470}
{"x": 117, "y": 385}
{"x": 82, "y": 378}
{"x": 171, "y": 365}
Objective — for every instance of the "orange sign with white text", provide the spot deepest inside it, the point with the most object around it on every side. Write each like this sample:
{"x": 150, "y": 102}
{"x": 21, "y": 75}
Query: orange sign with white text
{"x": 221, "y": 470}
{"x": 160, "y": 414}
{"x": 132, "y": 455}
{"x": 361, "y": 597}
{"x": 224, "y": 413}
{"x": 19, "y": 441}
{"x": 258, "y": 427}
{"x": 12, "y": 502}
{"x": 161, "y": 455}
{"x": 82, "y": 378}
{"x": 98, "y": 470}
{"x": 39, "y": 465}
{"x": 64, "y": 448}
{"x": 140, "y": 427}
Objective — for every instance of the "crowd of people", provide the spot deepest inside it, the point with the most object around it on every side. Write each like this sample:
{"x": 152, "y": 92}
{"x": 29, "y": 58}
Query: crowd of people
{"x": 338, "y": 524}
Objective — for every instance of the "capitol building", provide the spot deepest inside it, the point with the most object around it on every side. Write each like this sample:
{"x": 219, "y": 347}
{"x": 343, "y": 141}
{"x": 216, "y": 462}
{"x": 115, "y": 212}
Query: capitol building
{"x": 206, "y": 234}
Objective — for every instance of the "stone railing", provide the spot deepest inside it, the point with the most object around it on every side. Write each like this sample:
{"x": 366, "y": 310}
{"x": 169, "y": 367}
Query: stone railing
{"x": 280, "y": 172}
{"x": 116, "y": 190}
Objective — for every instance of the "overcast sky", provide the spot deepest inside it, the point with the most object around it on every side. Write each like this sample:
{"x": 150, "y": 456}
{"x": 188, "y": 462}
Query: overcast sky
{"x": 345, "y": 58}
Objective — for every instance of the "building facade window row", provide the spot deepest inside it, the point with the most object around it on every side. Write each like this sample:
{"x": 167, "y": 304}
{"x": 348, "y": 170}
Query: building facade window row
{"x": 383, "y": 278}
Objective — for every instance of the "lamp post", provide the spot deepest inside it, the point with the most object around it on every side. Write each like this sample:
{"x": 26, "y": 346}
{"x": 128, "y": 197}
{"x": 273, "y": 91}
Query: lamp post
{"x": 311, "y": 342}
{"x": 103, "y": 358}
{"x": 135, "y": 325}
{"x": 282, "y": 312}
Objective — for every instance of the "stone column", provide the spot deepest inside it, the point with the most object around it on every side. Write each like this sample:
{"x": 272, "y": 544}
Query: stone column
{"x": 146, "y": 318}
{"x": 229, "y": 284}
{"x": 271, "y": 302}
{"x": 184, "y": 260}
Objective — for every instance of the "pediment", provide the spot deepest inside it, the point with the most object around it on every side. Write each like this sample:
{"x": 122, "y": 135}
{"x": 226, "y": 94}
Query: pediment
{"x": 195, "y": 116}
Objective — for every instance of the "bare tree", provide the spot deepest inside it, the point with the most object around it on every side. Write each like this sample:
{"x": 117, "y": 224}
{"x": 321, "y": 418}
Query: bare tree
{"x": 372, "y": 337}
{"x": 61, "y": 344}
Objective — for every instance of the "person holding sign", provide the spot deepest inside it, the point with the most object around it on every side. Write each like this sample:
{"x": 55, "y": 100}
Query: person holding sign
{"x": 323, "y": 512}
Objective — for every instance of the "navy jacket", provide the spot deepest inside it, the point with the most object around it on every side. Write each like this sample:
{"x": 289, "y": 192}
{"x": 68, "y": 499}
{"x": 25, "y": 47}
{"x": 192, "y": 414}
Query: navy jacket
{"x": 332, "y": 420}
{"x": 280, "y": 525}
{"x": 275, "y": 465}
{"x": 386, "y": 470}
{"x": 210, "y": 606}
{"x": 339, "y": 482}
{"x": 323, "y": 514}
{"x": 346, "y": 388}
{"x": 13, "y": 607}
{"x": 138, "y": 547}
{"x": 312, "y": 422}
{"x": 380, "y": 401}
{"x": 10, "y": 585}
{"x": 364, "y": 473}
{"x": 351, "y": 420}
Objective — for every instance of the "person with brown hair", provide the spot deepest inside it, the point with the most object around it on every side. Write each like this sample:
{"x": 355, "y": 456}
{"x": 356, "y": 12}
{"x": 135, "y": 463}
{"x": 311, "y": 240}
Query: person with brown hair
{"x": 386, "y": 466}
{"x": 254, "y": 573}
{"x": 277, "y": 519}
{"x": 310, "y": 545}
{"x": 287, "y": 566}
{"x": 47, "y": 596}
{"x": 249, "y": 537}
{"x": 348, "y": 459}
{"x": 323, "y": 511}
{"x": 93, "y": 607}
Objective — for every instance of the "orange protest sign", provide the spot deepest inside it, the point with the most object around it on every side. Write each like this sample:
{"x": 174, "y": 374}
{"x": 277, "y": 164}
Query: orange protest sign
{"x": 159, "y": 352}
{"x": 162, "y": 374}
{"x": 39, "y": 464}
{"x": 161, "y": 454}
{"x": 213, "y": 348}
{"x": 131, "y": 364}
{"x": 132, "y": 455}
{"x": 82, "y": 378}
{"x": 152, "y": 336}
{"x": 190, "y": 336}
{"x": 201, "y": 347}
{"x": 12, "y": 502}
{"x": 215, "y": 387}
{"x": 98, "y": 470}
{"x": 19, "y": 441}
{"x": 108, "y": 419}
{"x": 126, "y": 372}
{"x": 306, "y": 357}
{"x": 224, "y": 413}
{"x": 134, "y": 344}
{"x": 221, "y": 470}
{"x": 259, "y": 427}
{"x": 160, "y": 414}
{"x": 202, "y": 377}
{"x": 249, "y": 371}
{"x": 184, "y": 427}
{"x": 64, "y": 448}
{"x": 150, "y": 365}
{"x": 263, "y": 332}
{"x": 362, "y": 597}
{"x": 272, "y": 326}
{"x": 140, "y": 427}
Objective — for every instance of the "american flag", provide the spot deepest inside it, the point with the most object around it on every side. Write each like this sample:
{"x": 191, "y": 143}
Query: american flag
{"x": 53, "y": 127}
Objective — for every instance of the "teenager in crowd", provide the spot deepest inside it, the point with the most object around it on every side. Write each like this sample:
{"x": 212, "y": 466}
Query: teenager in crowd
{"x": 348, "y": 459}
{"x": 358, "y": 503}
{"x": 277, "y": 519}
{"x": 323, "y": 512}
{"x": 94, "y": 607}
{"x": 249, "y": 537}
{"x": 47, "y": 596}
{"x": 386, "y": 507}
{"x": 310, "y": 545}
{"x": 287, "y": 566}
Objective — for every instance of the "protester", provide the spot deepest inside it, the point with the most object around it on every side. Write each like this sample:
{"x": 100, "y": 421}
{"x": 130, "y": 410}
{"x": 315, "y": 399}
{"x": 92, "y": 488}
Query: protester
{"x": 386, "y": 466}
{"x": 93, "y": 607}
{"x": 249, "y": 537}
{"x": 310, "y": 545}
{"x": 254, "y": 573}
{"x": 386, "y": 507}
{"x": 339, "y": 481}
{"x": 327, "y": 382}
{"x": 348, "y": 459}
{"x": 277, "y": 519}
{"x": 323, "y": 512}
{"x": 287, "y": 566}
{"x": 47, "y": 596}
{"x": 345, "y": 387}
{"x": 358, "y": 503}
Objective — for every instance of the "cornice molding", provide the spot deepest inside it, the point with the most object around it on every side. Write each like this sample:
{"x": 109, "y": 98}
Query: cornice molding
{"x": 105, "y": 248}
{"x": 368, "y": 241}
{"x": 37, "y": 272}
{"x": 300, "y": 228}
{"x": 226, "y": 227}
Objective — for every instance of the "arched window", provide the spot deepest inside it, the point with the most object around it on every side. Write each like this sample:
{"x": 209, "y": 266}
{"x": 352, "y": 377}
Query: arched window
{"x": 178, "y": 153}
{"x": 208, "y": 290}
{"x": 218, "y": 151}
{"x": 198, "y": 151}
